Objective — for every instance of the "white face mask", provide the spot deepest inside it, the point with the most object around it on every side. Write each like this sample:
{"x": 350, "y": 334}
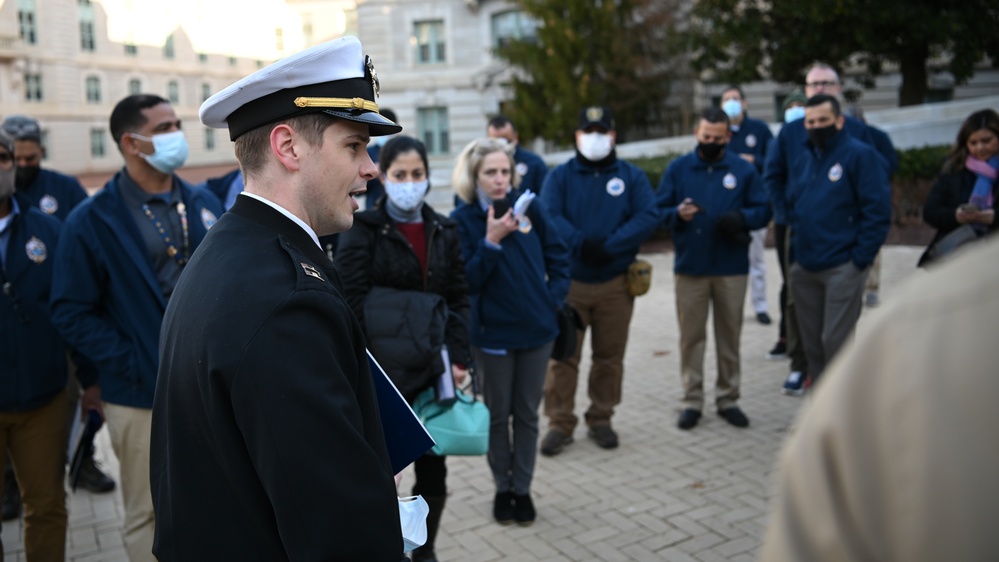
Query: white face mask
{"x": 732, "y": 108}
{"x": 406, "y": 195}
{"x": 794, "y": 113}
{"x": 170, "y": 151}
{"x": 595, "y": 146}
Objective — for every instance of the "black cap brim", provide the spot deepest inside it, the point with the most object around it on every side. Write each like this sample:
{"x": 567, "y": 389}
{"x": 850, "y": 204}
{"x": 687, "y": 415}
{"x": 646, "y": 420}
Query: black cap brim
{"x": 378, "y": 125}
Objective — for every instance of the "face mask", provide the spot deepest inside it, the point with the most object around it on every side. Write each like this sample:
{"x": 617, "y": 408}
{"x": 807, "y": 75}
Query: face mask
{"x": 594, "y": 146}
{"x": 794, "y": 113}
{"x": 6, "y": 183}
{"x": 732, "y": 108}
{"x": 171, "y": 151}
{"x": 819, "y": 136}
{"x": 710, "y": 151}
{"x": 24, "y": 176}
{"x": 406, "y": 195}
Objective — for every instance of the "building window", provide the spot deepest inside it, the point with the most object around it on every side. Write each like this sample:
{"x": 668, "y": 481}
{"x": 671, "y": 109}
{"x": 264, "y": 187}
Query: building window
{"x": 87, "y": 36}
{"x": 206, "y": 91}
{"x": 26, "y": 21}
{"x": 279, "y": 39}
{"x": 209, "y": 139}
{"x": 93, "y": 89}
{"x": 168, "y": 51}
{"x": 428, "y": 38}
{"x": 134, "y": 86}
{"x": 131, "y": 49}
{"x": 97, "y": 148}
{"x": 232, "y": 61}
{"x": 432, "y": 124}
{"x": 307, "y": 29}
{"x": 202, "y": 57}
{"x": 513, "y": 25}
{"x": 173, "y": 92}
{"x": 33, "y": 87}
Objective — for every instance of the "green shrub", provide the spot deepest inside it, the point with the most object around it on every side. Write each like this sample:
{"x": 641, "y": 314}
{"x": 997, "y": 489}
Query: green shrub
{"x": 917, "y": 168}
{"x": 654, "y": 166}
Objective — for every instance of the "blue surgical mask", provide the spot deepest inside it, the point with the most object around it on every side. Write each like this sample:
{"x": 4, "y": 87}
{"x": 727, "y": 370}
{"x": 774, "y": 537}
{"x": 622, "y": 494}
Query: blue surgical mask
{"x": 732, "y": 108}
{"x": 794, "y": 113}
{"x": 170, "y": 151}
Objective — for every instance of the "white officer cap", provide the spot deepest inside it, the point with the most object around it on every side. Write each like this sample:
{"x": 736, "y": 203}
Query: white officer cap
{"x": 332, "y": 78}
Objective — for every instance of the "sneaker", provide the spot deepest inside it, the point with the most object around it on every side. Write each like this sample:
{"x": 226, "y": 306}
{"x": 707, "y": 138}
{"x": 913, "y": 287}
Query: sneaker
{"x": 734, "y": 416}
{"x": 604, "y": 436}
{"x": 688, "y": 418}
{"x": 779, "y": 351}
{"x": 871, "y": 300}
{"x": 93, "y": 480}
{"x": 554, "y": 442}
{"x": 11, "y": 498}
{"x": 503, "y": 510}
{"x": 523, "y": 509}
{"x": 794, "y": 385}
{"x": 763, "y": 318}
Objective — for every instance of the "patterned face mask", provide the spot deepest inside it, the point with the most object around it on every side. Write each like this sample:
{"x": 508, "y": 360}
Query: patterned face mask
{"x": 406, "y": 195}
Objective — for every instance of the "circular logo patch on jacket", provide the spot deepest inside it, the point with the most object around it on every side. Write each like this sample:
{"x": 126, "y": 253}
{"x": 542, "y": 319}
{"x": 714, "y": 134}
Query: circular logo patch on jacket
{"x": 49, "y": 205}
{"x": 615, "y": 187}
{"x": 36, "y": 250}
{"x": 208, "y": 218}
{"x": 524, "y": 224}
{"x": 836, "y": 172}
{"x": 751, "y": 140}
{"x": 521, "y": 169}
{"x": 729, "y": 181}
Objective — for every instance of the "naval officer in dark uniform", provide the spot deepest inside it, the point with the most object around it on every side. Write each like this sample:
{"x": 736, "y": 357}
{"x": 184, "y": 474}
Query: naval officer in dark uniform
{"x": 266, "y": 437}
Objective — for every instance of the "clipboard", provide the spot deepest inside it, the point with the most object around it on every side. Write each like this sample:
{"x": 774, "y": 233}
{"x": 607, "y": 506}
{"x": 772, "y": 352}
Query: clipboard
{"x": 405, "y": 437}
{"x": 82, "y": 442}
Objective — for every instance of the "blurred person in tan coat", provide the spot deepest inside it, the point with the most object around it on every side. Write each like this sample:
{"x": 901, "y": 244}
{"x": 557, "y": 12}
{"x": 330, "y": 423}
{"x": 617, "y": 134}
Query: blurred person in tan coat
{"x": 896, "y": 458}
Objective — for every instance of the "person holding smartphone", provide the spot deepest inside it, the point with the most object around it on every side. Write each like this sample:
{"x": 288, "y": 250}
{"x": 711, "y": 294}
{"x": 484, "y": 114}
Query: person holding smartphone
{"x": 964, "y": 192}
{"x": 518, "y": 277}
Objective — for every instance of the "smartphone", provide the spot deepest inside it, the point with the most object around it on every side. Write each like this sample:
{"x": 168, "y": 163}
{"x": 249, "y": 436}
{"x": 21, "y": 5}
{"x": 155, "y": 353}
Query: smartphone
{"x": 500, "y": 207}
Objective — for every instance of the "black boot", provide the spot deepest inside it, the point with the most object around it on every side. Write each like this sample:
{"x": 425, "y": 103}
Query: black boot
{"x": 426, "y": 552}
{"x": 11, "y": 495}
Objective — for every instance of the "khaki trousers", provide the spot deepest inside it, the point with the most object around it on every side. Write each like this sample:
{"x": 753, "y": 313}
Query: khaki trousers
{"x": 130, "y": 430}
{"x": 36, "y": 441}
{"x": 694, "y": 296}
{"x": 606, "y": 308}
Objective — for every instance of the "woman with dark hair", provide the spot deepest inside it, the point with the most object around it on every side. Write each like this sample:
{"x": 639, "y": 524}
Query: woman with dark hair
{"x": 965, "y": 190}
{"x": 403, "y": 244}
{"x": 518, "y": 276}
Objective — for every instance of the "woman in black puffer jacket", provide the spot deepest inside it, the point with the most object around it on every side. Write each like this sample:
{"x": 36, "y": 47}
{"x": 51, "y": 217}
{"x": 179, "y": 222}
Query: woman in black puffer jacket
{"x": 403, "y": 244}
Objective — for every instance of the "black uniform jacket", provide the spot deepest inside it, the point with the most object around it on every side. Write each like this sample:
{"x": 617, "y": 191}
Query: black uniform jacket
{"x": 266, "y": 438}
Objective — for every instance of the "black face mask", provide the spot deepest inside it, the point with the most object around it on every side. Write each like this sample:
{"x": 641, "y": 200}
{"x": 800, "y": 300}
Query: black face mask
{"x": 25, "y": 175}
{"x": 821, "y": 135}
{"x": 710, "y": 150}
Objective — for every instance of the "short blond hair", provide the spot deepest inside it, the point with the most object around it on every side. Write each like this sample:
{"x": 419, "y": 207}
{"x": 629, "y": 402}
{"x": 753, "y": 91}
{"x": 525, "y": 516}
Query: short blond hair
{"x": 470, "y": 160}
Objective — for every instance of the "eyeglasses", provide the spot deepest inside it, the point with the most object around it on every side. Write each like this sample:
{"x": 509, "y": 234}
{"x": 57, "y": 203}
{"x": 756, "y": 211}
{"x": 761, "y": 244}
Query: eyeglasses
{"x": 822, "y": 84}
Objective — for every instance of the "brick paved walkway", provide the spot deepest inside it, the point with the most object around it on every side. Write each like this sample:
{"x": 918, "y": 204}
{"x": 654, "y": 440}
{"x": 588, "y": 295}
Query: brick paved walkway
{"x": 664, "y": 494}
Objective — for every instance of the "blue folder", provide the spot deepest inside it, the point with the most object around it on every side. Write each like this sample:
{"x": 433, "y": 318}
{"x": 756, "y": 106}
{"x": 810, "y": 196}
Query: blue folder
{"x": 405, "y": 437}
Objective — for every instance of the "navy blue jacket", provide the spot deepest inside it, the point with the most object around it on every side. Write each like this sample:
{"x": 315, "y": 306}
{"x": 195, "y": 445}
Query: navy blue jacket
{"x": 106, "y": 300}
{"x": 33, "y": 369}
{"x": 753, "y": 137}
{"x": 838, "y": 204}
{"x": 531, "y": 169}
{"x": 614, "y": 203}
{"x": 219, "y": 187}
{"x": 786, "y": 153}
{"x": 516, "y": 290}
{"x": 730, "y": 184}
{"x": 54, "y": 193}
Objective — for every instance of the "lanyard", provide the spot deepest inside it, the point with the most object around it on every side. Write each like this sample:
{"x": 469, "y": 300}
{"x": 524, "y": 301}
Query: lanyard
{"x": 180, "y": 256}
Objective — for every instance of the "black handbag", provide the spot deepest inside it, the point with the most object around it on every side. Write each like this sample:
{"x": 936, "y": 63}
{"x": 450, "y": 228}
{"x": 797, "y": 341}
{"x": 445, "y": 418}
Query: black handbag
{"x": 569, "y": 327}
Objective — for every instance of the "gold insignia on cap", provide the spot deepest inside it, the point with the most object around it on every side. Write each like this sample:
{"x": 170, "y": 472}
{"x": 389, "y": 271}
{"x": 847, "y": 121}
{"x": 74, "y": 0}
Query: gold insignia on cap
{"x": 339, "y": 103}
{"x": 594, "y": 113}
{"x": 311, "y": 271}
{"x": 374, "y": 75}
